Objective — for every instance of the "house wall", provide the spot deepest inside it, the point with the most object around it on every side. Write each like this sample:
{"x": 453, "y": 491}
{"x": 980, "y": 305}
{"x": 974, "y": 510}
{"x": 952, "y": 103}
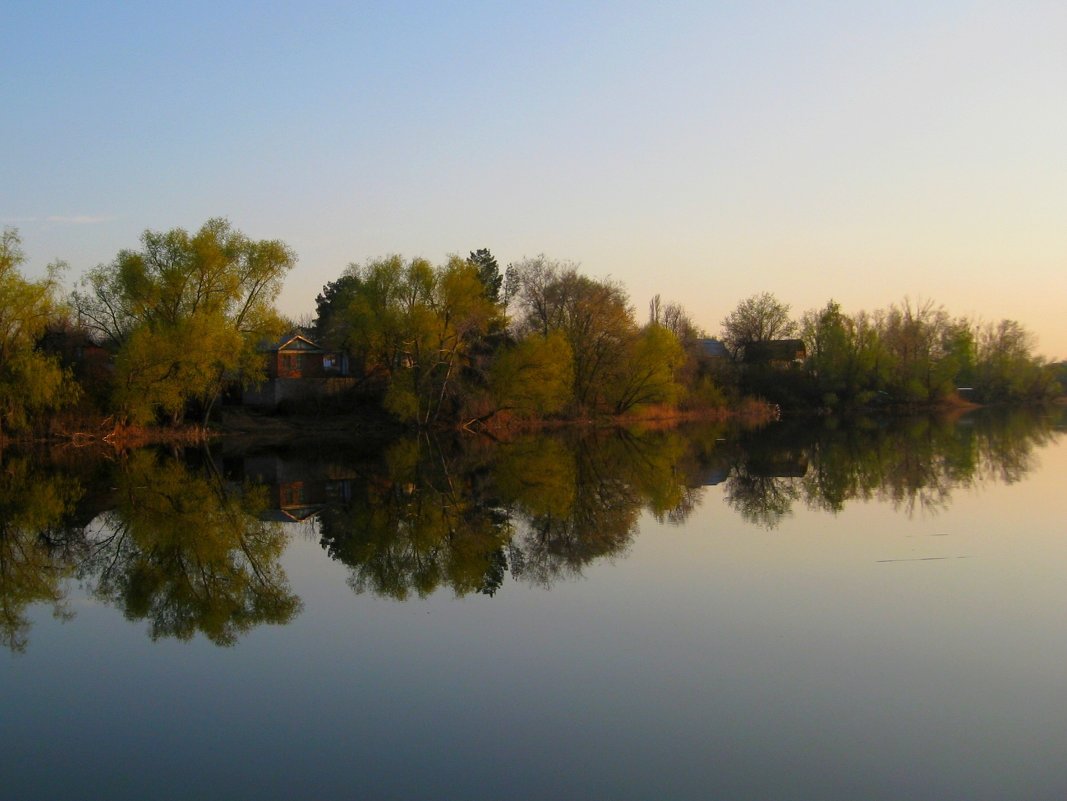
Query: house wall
{"x": 273, "y": 391}
{"x": 297, "y": 364}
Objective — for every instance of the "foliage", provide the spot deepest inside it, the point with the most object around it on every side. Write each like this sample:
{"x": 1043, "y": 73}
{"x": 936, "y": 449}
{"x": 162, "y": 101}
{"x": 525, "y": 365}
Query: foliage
{"x": 394, "y": 318}
{"x": 204, "y": 301}
{"x": 846, "y": 362}
{"x": 536, "y": 376}
{"x": 33, "y": 506}
{"x": 647, "y": 372}
{"x": 160, "y": 369}
{"x": 594, "y": 316}
{"x": 189, "y": 554}
{"x": 675, "y": 319}
{"x": 31, "y": 382}
{"x": 488, "y": 272}
{"x": 332, "y": 324}
{"x": 918, "y": 354}
{"x": 925, "y": 349}
{"x": 1006, "y": 368}
{"x": 434, "y": 345}
{"x": 412, "y": 327}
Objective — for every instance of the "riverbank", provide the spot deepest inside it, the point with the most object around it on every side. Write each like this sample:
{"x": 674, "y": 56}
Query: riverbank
{"x": 250, "y": 428}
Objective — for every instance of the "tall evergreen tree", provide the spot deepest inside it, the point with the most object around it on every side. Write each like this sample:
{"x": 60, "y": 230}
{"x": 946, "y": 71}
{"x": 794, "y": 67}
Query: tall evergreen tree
{"x": 488, "y": 272}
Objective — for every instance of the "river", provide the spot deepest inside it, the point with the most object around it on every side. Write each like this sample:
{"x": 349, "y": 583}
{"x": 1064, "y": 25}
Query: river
{"x": 818, "y": 609}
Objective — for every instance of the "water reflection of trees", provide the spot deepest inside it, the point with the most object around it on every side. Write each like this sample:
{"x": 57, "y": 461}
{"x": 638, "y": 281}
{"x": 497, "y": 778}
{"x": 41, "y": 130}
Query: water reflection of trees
{"x": 537, "y": 508}
{"x": 168, "y": 540}
{"x": 163, "y": 540}
{"x": 36, "y": 556}
{"x": 188, "y": 553}
{"x": 413, "y": 526}
{"x": 914, "y": 464}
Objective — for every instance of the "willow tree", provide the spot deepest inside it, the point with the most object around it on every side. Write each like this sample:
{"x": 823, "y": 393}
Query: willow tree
{"x": 443, "y": 312}
{"x": 411, "y": 328}
{"x": 30, "y": 381}
{"x": 185, "y": 312}
{"x": 646, "y": 373}
{"x": 535, "y": 377}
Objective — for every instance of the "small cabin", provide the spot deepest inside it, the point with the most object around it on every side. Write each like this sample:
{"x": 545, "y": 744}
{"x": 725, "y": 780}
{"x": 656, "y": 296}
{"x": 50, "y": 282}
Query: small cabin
{"x": 298, "y": 368}
{"x": 296, "y": 356}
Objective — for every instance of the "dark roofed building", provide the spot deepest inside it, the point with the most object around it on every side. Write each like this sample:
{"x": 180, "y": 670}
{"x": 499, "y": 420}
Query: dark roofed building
{"x": 775, "y": 352}
{"x": 712, "y": 349}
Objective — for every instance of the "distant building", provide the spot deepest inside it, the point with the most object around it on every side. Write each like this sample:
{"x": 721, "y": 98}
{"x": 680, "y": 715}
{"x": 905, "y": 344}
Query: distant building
{"x": 775, "y": 352}
{"x": 712, "y": 349}
{"x": 93, "y": 365}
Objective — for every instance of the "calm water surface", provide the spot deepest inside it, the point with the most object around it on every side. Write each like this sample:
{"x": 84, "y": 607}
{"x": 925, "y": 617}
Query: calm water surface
{"x": 817, "y": 610}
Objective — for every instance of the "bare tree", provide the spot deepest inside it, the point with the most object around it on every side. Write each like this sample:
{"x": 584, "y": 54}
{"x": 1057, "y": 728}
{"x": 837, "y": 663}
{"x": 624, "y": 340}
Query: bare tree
{"x": 759, "y": 318}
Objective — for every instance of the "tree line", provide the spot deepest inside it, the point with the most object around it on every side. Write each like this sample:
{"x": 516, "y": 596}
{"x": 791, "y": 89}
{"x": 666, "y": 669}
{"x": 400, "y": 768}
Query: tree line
{"x": 909, "y": 354}
{"x": 177, "y": 321}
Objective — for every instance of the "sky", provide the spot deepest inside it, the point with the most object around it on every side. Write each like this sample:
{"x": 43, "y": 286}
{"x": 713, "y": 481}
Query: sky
{"x": 703, "y": 151}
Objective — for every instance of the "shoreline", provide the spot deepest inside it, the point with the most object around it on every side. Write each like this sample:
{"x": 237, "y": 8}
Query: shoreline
{"x": 239, "y": 425}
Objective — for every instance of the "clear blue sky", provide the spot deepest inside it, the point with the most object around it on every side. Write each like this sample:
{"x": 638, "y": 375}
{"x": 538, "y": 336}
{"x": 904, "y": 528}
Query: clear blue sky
{"x": 704, "y": 151}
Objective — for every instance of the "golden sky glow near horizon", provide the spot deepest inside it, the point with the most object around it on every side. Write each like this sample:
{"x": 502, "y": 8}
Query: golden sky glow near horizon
{"x": 705, "y": 152}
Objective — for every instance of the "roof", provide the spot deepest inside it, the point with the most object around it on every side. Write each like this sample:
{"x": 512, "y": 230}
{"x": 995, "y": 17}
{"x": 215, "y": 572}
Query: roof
{"x": 712, "y": 348}
{"x": 292, "y": 342}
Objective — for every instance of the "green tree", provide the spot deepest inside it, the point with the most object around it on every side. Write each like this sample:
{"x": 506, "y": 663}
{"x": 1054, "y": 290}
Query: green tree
{"x": 413, "y": 328}
{"x": 646, "y": 373}
{"x": 675, "y": 319}
{"x": 921, "y": 342}
{"x": 595, "y": 317}
{"x": 828, "y": 344}
{"x": 488, "y": 272}
{"x": 535, "y": 377}
{"x": 1007, "y": 369}
{"x": 363, "y": 313}
{"x": 185, "y": 312}
{"x": 160, "y": 368}
{"x": 332, "y": 327}
{"x": 31, "y": 382}
{"x": 444, "y": 313}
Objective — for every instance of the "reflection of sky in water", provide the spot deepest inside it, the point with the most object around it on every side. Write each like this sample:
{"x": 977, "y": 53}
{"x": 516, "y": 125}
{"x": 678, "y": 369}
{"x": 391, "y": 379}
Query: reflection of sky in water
{"x": 835, "y": 656}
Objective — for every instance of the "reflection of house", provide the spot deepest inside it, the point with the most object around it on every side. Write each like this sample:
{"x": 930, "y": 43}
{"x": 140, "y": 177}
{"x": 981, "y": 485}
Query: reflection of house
{"x": 712, "y": 475}
{"x": 296, "y": 490}
{"x": 776, "y": 352}
{"x": 297, "y": 369}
